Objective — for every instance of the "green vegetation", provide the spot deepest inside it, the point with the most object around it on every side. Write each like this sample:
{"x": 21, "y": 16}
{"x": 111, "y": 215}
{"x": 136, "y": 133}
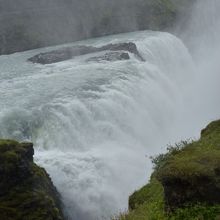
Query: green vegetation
{"x": 185, "y": 183}
{"x": 146, "y": 203}
{"x": 26, "y": 190}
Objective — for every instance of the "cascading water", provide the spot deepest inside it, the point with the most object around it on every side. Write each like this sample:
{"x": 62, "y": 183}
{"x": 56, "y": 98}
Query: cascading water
{"x": 93, "y": 124}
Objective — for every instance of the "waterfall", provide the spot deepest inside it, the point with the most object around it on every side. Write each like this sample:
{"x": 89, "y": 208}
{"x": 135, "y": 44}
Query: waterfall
{"x": 94, "y": 125}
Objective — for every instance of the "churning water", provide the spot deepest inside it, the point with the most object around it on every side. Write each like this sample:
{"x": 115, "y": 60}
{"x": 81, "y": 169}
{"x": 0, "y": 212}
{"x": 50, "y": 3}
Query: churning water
{"x": 94, "y": 124}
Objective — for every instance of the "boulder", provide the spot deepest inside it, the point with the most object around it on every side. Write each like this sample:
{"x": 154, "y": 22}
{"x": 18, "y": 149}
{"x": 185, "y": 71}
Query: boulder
{"x": 71, "y": 52}
{"x": 26, "y": 190}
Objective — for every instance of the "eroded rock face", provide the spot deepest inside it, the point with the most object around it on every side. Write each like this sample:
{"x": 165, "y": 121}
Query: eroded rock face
{"x": 26, "y": 190}
{"x": 71, "y": 52}
{"x": 14, "y": 164}
{"x": 179, "y": 192}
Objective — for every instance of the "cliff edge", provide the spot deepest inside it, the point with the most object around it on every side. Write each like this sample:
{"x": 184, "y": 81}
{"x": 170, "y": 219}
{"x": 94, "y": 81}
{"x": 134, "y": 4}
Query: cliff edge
{"x": 26, "y": 190}
{"x": 185, "y": 183}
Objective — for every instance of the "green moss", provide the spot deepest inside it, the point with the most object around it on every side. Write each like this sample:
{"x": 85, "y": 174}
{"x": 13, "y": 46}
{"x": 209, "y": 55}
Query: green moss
{"x": 154, "y": 211}
{"x": 6, "y": 145}
{"x": 146, "y": 203}
{"x": 152, "y": 192}
{"x": 11, "y": 156}
{"x": 197, "y": 212}
{"x": 9, "y": 213}
{"x": 199, "y": 158}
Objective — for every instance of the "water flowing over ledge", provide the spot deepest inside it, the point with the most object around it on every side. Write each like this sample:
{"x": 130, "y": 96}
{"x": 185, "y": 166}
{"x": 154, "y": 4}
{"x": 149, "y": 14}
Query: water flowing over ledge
{"x": 92, "y": 121}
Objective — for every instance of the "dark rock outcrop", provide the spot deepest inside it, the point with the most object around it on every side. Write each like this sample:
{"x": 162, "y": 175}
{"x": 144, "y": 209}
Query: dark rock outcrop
{"x": 26, "y": 190}
{"x": 130, "y": 47}
{"x": 71, "y": 52}
{"x": 179, "y": 193}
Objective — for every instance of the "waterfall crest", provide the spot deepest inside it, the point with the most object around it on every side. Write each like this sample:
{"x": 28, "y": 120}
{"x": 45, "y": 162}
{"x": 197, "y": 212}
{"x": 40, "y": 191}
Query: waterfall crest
{"x": 93, "y": 124}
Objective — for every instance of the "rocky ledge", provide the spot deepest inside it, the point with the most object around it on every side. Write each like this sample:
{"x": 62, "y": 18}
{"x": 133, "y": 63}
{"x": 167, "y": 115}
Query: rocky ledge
{"x": 74, "y": 51}
{"x": 26, "y": 190}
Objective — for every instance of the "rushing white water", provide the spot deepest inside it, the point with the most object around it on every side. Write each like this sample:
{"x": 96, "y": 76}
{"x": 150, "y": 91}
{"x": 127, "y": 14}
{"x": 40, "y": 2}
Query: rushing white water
{"x": 94, "y": 124}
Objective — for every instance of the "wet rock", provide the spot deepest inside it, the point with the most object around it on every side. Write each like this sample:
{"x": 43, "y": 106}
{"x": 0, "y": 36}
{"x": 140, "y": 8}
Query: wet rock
{"x": 71, "y": 52}
{"x": 130, "y": 47}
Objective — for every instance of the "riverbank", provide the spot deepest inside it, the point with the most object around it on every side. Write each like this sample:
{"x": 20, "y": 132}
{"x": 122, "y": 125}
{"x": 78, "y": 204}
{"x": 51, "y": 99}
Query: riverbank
{"x": 185, "y": 183}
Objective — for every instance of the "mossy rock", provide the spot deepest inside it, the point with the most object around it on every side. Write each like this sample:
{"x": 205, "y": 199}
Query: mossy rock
{"x": 146, "y": 203}
{"x": 185, "y": 183}
{"x": 193, "y": 174}
{"x": 26, "y": 190}
{"x": 151, "y": 192}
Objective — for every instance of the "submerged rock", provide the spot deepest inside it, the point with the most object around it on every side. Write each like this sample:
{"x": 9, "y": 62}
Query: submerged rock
{"x": 71, "y": 52}
{"x": 26, "y": 190}
{"x": 111, "y": 56}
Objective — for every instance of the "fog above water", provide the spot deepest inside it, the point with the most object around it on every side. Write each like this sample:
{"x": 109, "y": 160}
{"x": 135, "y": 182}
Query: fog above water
{"x": 201, "y": 36}
{"x": 56, "y": 21}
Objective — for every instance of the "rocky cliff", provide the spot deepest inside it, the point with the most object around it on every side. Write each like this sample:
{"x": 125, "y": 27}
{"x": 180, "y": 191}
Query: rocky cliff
{"x": 26, "y": 190}
{"x": 185, "y": 183}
